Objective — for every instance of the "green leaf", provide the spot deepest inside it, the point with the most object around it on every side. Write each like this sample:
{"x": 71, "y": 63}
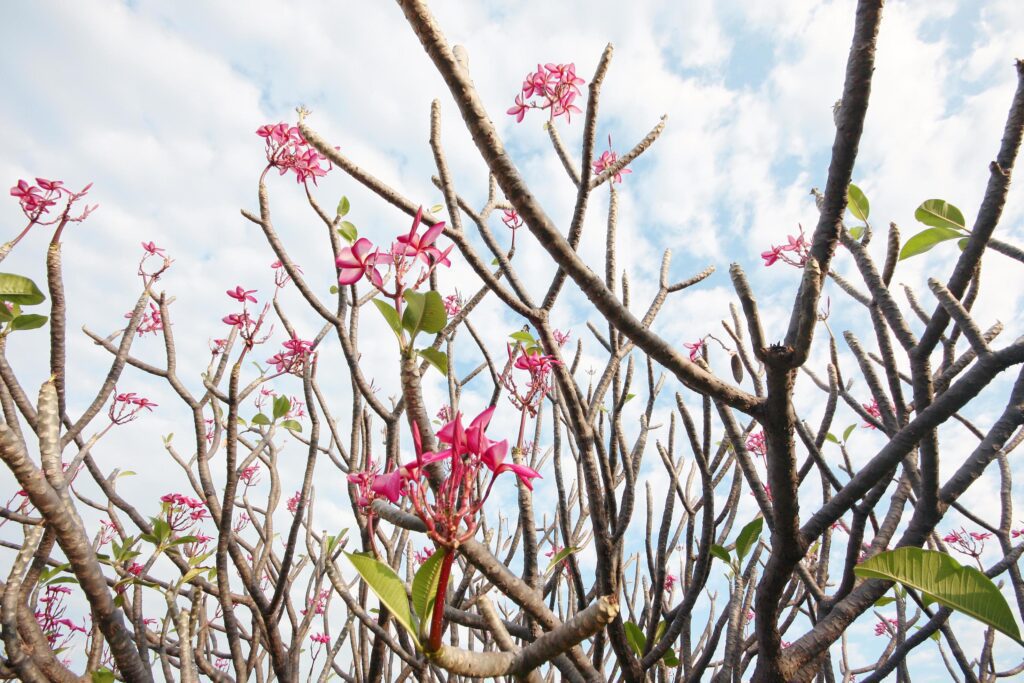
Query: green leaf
{"x": 424, "y": 586}
{"x": 940, "y": 214}
{"x": 343, "y": 206}
{"x": 856, "y": 231}
{"x": 390, "y": 316}
{"x": 334, "y": 289}
{"x": 523, "y": 336}
{"x": 281, "y": 406}
{"x": 435, "y": 316}
{"x": 494, "y": 261}
{"x": 6, "y": 314}
{"x": 629, "y": 397}
{"x": 412, "y": 317}
{"x": 560, "y": 557}
{"x": 857, "y": 203}
{"x": 161, "y": 529}
{"x": 348, "y": 232}
{"x": 721, "y": 553}
{"x": 292, "y": 425}
{"x": 963, "y": 245}
{"x": 884, "y": 600}
{"x": 439, "y": 359}
{"x": 636, "y": 638}
{"x": 103, "y": 675}
{"x": 947, "y": 582}
{"x": 260, "y": 419}
{"x": 748, "y": 537}
{"x": 19, "y": 290}
{"x": 437, "y": 208}
{"x": 192, "y": 573}
{"x": 848, "y": 431}
{"x": 383, "y": 581}
{"x": 926, "y": 239}
{"x": 831, "y": 437}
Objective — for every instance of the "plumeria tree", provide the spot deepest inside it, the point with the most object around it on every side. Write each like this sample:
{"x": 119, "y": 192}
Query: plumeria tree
{"x": 768, "y": 531}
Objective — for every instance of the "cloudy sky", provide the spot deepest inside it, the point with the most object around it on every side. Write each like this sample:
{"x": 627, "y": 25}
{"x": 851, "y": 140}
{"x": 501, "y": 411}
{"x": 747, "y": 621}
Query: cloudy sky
{"x": 157, "y": 104}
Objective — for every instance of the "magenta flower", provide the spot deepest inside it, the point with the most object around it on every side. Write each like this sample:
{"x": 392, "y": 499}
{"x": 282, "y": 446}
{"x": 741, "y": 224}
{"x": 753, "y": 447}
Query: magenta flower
{"x": 321, "y": 638}
{"x": 561, "y": 338}
{"x": 535, "y": 361}
{"x": 242, "y": 295}
{"x": 757, "y": 444}
{"x": 555, "y": 86}
{"x": 356, "y": 260}
{"x": 422, "y": 246}
{"x": 152, "y": 249}
{"x": 293, "y": 502}
{"x": 287, "y": 150}
{"x": 771, "y": 256}
{"x": 874, "y": 411}
{"x": 670, "y": 582}
{"x": 511, "y": 219}
{"x": 519, "y": 109}
{"x": 607, "y": 160}
{"x": 390, "y": 485}
{"x": 239, "y": 320}
{"x": 695, "y": 349}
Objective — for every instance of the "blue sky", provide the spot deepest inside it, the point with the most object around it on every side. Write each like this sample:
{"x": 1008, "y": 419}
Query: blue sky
{"x": 157, "y": 103}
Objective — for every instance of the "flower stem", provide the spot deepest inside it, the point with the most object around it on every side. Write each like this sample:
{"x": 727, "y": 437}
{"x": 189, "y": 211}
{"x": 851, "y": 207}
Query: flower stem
{"x": 437, "y": 618}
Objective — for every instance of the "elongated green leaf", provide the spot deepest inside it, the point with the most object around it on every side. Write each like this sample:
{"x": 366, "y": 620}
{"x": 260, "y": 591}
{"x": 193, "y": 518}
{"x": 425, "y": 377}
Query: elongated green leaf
{"x": 636, "y": 638}
{"x": 343, "y": 207}
{"x": 260, "y": 419}
{"x": 390, "y": 316}
{"x": 383, "y": 581}
{"x": 926, "y": 239}
{"x": 412, "y": 318}
{"x": 857, "y": 203}
{"x": 103, "y": 675}
{"x": 19, "y": 290}
{"x": 940, "y": 214}
{"x": 560, "y": 557}
{"x": 435, "y": 316}
{"x": 856, "y": 231}
{"x": 947, "y": 582}
{"x": 281, "y": 406}
{"x": 721, "y": 553}
{"x": 848, "y": 431}
{"x": 292, "y": 425}
{"x": 669, "y": 657}
{"x": 439, "y": 359}
{"x": 831, "y": 437}
{"x": 884, "y": 600}
{"x": 424, "y": 587}
{"x": 748, "y": 537}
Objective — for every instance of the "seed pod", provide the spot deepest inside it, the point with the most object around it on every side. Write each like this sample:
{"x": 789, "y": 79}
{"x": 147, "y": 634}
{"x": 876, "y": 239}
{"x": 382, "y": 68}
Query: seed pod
{"x": 737, "y": 367}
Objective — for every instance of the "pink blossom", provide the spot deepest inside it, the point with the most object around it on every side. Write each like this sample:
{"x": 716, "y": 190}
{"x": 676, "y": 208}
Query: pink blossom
{"x": 885, "y": 626}
{"x": 293, "y": 502}
{"x": 287, "y": 150}
{"x": 356, "y": 260}
{"x": 555, "y": 87}
{"x": 152, "y": 249}
{"x": 423, "y": 555}
{"x": 561, "y": 338}
{"x": 511, "y": 219}
{"x": 607, "y": 160}
{"x": 873, "y": 410}
{"x": 756, "y": 443}
{"x": 670, "y": 582}
{"x": 695, "y": 349}
{"x": 241, "y": 294}
{"x": 422, "y": 246}
{"x": 453, "y": 304}
{"x": 518, "y": 111}
{"x": 135, "y": 569}
{"x": 771, "y": 256}
{"x": 239, "y": 320}
{"x": 321, "y": 638}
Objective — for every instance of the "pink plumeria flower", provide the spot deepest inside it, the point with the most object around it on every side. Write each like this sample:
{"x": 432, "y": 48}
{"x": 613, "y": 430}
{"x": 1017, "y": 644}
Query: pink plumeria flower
{"x": 695, "y": 349}
{"x": 152, "y": 249}
{"x": 242, "y": 295}
{"x": 422, "y": 246}
{"x": 356, "y": 260}
{"x": 771, "y": 256}
{"x": 607, "y": 160}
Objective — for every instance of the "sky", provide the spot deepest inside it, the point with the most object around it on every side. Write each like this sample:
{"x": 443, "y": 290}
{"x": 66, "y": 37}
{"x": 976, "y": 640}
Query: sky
{"x": 157, "y": 104}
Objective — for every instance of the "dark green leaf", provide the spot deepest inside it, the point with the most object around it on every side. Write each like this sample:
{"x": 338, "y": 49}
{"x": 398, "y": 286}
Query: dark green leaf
{"x": 721, "y": 553}
{"x": 412, "y": 317}
{"x": 947, "y": 582}
{"x": 292, "y": 425}
{"x": 348, "y": 232}
{"x": 383, "y": 581}
{"x": 281, "y": 406}
{"x": 636, "y": 638}
{"x": 940, "y": 214}
{"x": 343, "y": 207}
{"x": 19, "y": 290}
{"x": 6, "y": 314}
{"x": 926, "y": 239}
{"x": 884, "y": 600}
{"x": 748, "y": 537}
{"x": 424, "y": 586}
{"x": 260, "y": 419}
{"x": 857, "y": 203}
{"x": 390, "y": 316}
{"x": 439, "y": 359}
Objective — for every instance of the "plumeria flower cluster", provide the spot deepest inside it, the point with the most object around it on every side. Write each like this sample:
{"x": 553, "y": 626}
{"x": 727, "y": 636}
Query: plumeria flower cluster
{"x": 58, "y": 629}
{"x": 37, "y": 199}
{"x": 126, "y": 407}
{"x": 756, "y": 444}
{"x": 364, "y": 259}
{"x": 182, "y": 512}
{"x": 553, "y": 87}
{"x": 794, "y": 253}
{"x": 453, "y": 304}
{"x": 607, "y": 160}
{"x": 288, "y": 151}
{"x": 873, "y": 410}
{"x": 281, "y": 276}
{"x": 886, "y": 626}
{"x": 422, "y": 555}
{"x": 292, "y": 357}
{"x": 152, "y": 320}
{"x": 251, "y": 475}
{"x": 561, "y": 338}
{"x": 248, "y": 327}
{"x": 451, "y": 513}
{"x": 151, "y": 274}
{"x": 320, "y": 604}
{"x": 967, "y": 543}
{"x": 538, "y": 365}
